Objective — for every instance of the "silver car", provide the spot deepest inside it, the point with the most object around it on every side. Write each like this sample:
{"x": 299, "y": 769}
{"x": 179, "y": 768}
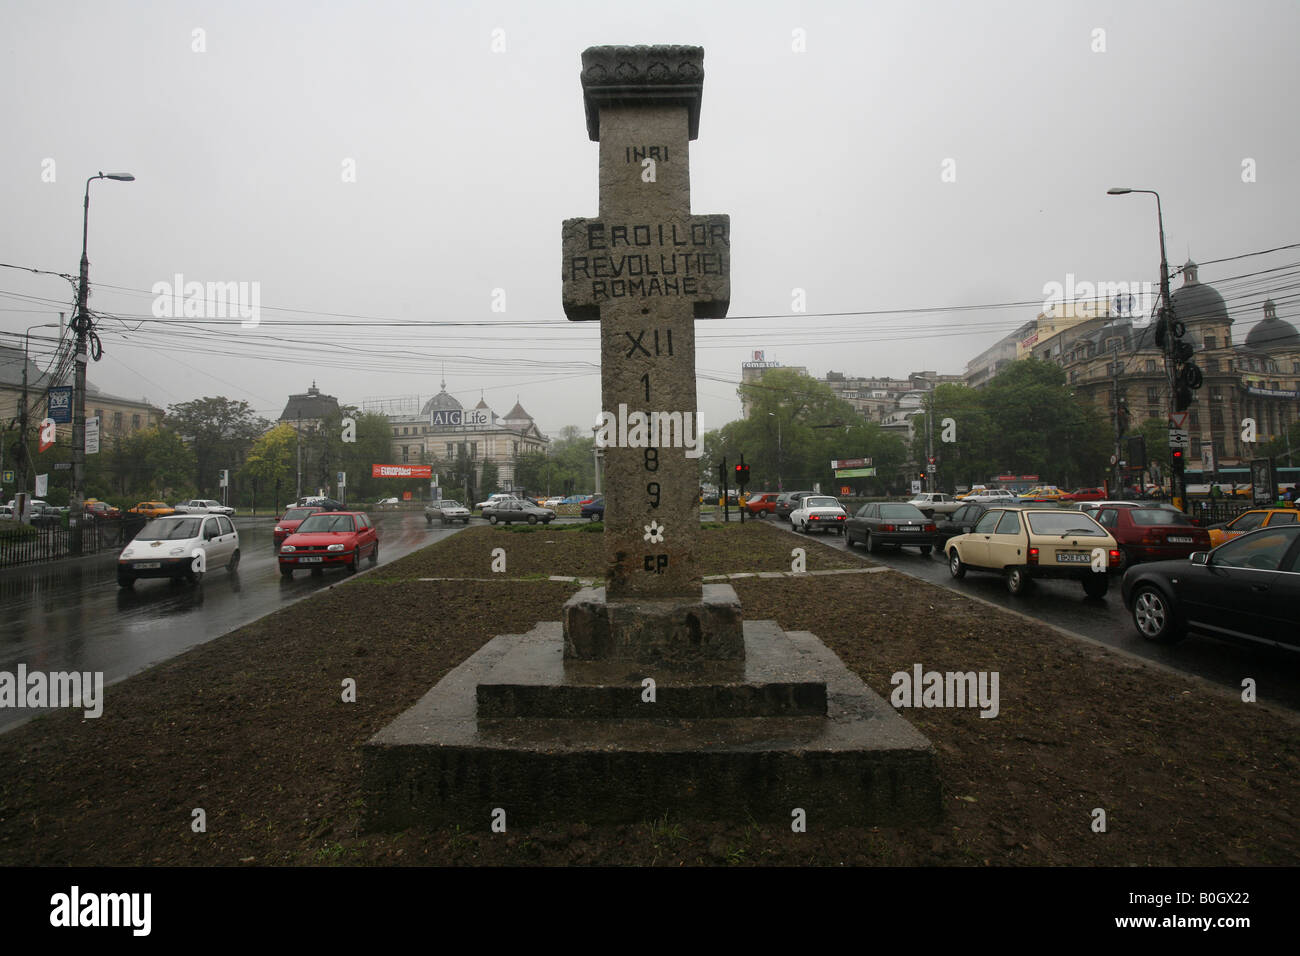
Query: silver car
{"x": 446, "y": 511}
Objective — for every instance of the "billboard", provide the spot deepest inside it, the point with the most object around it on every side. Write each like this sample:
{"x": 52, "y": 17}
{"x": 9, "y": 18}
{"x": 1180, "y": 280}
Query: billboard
{"x": 401, "y": 471}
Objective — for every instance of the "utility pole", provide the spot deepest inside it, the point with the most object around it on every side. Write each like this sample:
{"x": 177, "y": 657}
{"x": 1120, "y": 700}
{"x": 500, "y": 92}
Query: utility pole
{"x": 929, "y": 443}
{"x": 1119, "y": 428}
{"x": 82, "y": 326}
{"x": 299, "y": 442}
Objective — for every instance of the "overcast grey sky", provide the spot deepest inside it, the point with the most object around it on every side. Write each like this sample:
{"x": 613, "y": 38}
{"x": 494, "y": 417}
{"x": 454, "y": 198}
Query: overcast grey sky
{"x": 829, "y": 160}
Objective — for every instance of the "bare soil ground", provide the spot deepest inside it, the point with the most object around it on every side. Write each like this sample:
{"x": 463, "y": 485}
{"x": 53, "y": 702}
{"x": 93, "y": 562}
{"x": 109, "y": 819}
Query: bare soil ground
{"x": 251, "y": 728}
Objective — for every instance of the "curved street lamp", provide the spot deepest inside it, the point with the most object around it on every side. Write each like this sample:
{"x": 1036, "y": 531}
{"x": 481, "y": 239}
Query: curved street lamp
{"x": 80, "y": 325}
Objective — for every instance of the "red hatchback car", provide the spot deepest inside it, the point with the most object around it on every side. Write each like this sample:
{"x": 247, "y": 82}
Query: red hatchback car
{"x": 293, "y": 516}
{"x": 1152, "y": 534}
{"x": 330, "y": 539}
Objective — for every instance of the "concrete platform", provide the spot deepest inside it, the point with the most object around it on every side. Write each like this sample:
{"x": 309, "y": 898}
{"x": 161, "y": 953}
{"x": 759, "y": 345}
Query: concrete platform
{"x": 446, "y": 761}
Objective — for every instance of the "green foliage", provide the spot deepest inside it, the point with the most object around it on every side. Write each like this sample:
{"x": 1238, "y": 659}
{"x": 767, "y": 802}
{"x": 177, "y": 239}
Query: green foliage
{"x": 219, "y": 433}
{"x": 489, "y": 479}
{"x": 796, "y": 427}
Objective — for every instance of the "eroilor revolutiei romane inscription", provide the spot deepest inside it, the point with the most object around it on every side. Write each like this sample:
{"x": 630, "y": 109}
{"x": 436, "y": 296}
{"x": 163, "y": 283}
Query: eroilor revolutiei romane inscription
{"x": 647, "y": 268}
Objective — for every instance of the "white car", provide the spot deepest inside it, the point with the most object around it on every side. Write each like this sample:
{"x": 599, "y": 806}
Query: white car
{"x": 446, "y": 511}
{"x": 932, "y": 503}
{"x": 181, "y": 547}
{"x": 203, "y": 506}
{"x": 818, "y": 512}
{"x": 493, "y": 499}
{"x": 994, "y": 495}
{"x": 553, "y": 501}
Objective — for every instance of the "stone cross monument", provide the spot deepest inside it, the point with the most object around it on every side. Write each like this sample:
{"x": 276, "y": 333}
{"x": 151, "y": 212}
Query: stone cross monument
{"x": 742, "y": 718}
{"x": 647, "y": 269}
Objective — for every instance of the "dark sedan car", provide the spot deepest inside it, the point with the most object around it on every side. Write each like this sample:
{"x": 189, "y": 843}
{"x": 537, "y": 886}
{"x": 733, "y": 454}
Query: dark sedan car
{"x": 961, "y": 521}
{"x": 1247, "y": 589}
{"x": 516, "y": 509}
{"x": 881, "y": 523}
{"x": 594, "y": 510}
{"x": 787, "y": 502}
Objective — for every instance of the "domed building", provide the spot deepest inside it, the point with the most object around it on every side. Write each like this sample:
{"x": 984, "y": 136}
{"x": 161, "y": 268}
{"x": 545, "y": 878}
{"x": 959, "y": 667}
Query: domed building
{"x": 446, "y": 435}
{"x": 1112, "y": 362}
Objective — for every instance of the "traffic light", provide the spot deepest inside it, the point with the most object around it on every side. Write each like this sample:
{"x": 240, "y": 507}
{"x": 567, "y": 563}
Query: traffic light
{"x": 1178, "y": 461}
{"x": 742, "y": 475}
{"x": 1137, "y": 451}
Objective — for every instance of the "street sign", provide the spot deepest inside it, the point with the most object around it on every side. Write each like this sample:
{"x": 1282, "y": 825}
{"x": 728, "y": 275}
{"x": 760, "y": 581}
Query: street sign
{"x": 1207, "y": 459}
{"x": 1178, "y": 438}
{"x": 58, "y": 405}
{"x": 8, "y": 478}
{"x": 92, "y": 436}
{"x": 342, "y": 479}
{"x": 916, "y": 487}
{"x": 63, "y": 466}
{"x": 932, "y": 467}
{"x": 1178, "y": 421}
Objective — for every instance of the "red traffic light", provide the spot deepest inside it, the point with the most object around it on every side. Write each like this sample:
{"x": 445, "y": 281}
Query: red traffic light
{"x": 1178, "y": 454}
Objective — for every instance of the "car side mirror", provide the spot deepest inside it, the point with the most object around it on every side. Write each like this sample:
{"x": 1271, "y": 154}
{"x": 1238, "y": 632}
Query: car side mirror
{"x": 1200, "y": 557}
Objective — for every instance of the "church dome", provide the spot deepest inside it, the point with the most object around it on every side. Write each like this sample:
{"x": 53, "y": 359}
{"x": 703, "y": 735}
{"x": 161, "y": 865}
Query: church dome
{"x": 1273, "y": 334}
{"x": 441, "y": 402}
{"x": 1194, "y": 301}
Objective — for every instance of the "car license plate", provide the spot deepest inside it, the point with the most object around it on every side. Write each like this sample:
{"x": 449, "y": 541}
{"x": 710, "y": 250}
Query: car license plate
{"x": 309, "y": 560}
{"x": 144, "y": 565}
{"x": 909, "y": 527}
{"x": 1072, "y": 557}
{"x": 1179, "y": 540}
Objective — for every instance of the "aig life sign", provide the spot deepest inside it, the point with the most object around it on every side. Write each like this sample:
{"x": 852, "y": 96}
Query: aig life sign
{"x": 458, "y": 417}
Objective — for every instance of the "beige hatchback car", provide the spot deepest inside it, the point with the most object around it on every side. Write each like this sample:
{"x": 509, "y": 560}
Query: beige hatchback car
{"x": 1029, "y": 543}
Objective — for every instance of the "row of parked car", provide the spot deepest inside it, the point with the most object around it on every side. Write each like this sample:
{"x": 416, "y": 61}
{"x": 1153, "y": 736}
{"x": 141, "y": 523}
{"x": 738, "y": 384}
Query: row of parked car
{"x": 1239, "y": 579}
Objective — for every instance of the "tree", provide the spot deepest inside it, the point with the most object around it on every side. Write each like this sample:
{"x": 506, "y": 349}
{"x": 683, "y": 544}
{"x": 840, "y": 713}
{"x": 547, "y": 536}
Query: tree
{"x": 273, "y": 457}
{"x": 219, "y": 431}
{"x": 489, "y": 480}
{"x": 531, "y": 471}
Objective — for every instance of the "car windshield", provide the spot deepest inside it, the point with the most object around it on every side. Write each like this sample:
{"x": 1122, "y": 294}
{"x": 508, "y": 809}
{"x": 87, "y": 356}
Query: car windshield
{"x": 325, "y": 522}
{"x": 899, "y": 511}
{"x": 170, "y": 529}
{"x": 1064, "y": 522}
{"x": 1158, "y": 516}
{"x": 450, "y": 504}
{"x": 297, "y": 514}
{"x": 820, "y": 503}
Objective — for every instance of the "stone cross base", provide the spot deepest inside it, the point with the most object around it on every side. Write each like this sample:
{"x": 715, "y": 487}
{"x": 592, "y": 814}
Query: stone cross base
{"x": 669, "y": 631}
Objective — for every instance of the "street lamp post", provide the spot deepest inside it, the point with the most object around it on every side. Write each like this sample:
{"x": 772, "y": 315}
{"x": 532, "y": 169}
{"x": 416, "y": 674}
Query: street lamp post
{"x": 1166, "y": 315}
{"x": 81, "y": 325}
{"x": 779, "y": 486}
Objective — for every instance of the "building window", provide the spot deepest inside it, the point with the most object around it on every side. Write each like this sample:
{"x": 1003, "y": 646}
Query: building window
{"x": 1151, "y": 365}
{"x": 1216, "y": 417}
{"x": 451, "y": 450}
{"x": 1153, "y": 395}
{"x": 135, "y": 422}
{"x": 99, "y": 413}
{"x": 405, "y": 454}
{"x": 117, "y": 421}
{"x": 1195, "y": 419}
{"x": 1074, "y": 377}
{"x": 1209, "y": 342}
{"x": 1212, "y": 365}
{"x": 473, "y": 449}
{"x": 1295, "y": 367}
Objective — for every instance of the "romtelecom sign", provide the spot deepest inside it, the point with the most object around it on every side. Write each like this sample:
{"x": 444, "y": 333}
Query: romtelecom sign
{"x": 401, "y": 471}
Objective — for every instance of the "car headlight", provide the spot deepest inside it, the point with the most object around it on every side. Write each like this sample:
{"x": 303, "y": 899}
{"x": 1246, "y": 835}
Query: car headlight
{"x": 285, "y": 548}
{"x": 337, "y": 547}
{"x": 127, "y": 553}
{"x": 176, "y": 551}
{"x": 278, "y": 529}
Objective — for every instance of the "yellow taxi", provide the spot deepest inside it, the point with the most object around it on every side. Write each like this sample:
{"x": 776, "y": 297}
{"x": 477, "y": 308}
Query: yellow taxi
{"x": 152, "y": 509}
{"x": 1252, "y": 521}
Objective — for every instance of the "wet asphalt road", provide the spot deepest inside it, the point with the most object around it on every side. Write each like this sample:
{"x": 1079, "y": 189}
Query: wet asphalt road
{"x": 1062, "y": 603}
{"x": 72, "y": 616}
